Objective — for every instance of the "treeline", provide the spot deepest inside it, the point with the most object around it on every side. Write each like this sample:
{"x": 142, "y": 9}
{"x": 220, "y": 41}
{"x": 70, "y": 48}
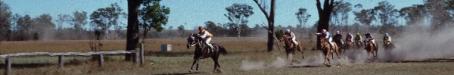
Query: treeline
{"x": 105, "y": 22}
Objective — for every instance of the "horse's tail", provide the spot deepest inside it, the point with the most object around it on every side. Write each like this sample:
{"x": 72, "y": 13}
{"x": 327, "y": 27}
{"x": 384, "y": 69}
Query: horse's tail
{"x": 222, "y": 50}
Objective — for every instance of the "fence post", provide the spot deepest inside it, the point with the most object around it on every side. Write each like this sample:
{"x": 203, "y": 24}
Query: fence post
{"x": 101, "y": 60}
{"x": 61, "y": 63}
{"x": 141, "y": 53}
{"x": 136, "y": 56}
{"x": 7, "y": 66}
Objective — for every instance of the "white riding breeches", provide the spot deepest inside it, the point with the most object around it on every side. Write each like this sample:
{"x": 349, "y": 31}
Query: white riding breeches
{"x": 208, "y": 42}
{"x": 294, "y": 41}
{"x": 330, "y": 40}
{"x": 373, "y": 41}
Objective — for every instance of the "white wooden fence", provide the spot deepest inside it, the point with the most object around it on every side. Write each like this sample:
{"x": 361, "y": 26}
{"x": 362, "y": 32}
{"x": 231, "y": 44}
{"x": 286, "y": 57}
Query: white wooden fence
{"x": 138, "y": 58}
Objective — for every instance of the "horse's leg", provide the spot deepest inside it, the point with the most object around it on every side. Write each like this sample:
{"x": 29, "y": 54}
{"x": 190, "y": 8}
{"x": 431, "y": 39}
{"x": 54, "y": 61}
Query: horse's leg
{"x": 327, "y": 57}
{"x": 376, "y": 53}
{"x": 334, "y": 52}
{"x": 301, "y": 50}
{"x": 325, "y": 54}
{"x": 217, "y": 67}
{"x": 197, "y": 65}
{"x": 195, "y": 62}
{"x": 370, "y": 54}
{"x": 290, "y": 57}
{"x": 339, "y": 50}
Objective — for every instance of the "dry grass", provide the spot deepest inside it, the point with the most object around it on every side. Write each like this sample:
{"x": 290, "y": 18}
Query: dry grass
{"x": 179, "y": 45}
{"x": 179, "y": 60}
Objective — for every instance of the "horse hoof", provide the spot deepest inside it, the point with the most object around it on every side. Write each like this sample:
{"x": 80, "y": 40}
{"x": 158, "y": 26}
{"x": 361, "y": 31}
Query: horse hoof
{"x": 190, "y": 71}
{"x": 218, "y": 71}
{"x": 327, "y": 65}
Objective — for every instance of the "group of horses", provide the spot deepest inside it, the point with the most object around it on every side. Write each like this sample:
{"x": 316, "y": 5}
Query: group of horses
{"x": 337, "y": 48}
{"x": 328, "y": 49}
{"x": 332, "y": 49}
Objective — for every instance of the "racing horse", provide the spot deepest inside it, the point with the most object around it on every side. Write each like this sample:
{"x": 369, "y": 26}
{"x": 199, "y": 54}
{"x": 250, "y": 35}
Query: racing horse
{"x": 327, "y": 50}
{"x": 388, "y": 45}
{"x": 348, "y": 42}
{"x": 371, "y": 48}
{"x": 201, "y": 52}
{"x": 290, "y": 49}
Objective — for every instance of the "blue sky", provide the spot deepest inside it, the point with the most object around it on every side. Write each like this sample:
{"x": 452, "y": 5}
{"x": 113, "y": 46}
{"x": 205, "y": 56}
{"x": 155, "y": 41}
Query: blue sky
{"x": 190, "y": 12}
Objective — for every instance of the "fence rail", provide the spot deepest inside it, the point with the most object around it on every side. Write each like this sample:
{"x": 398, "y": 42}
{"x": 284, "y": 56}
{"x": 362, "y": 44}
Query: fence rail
{"x": 138, "y": 58}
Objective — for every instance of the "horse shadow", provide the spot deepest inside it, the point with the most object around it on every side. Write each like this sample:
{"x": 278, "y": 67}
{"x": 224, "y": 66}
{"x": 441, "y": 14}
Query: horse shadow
{"x": 183, "y": 73}
{"x": 305, "y": 66}
{"x": 167, "y": 54}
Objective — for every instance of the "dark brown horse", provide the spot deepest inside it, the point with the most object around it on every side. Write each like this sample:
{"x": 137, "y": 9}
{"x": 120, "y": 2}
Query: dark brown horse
{"x": 290, "y": 49}
{"x": 201, "y": 52}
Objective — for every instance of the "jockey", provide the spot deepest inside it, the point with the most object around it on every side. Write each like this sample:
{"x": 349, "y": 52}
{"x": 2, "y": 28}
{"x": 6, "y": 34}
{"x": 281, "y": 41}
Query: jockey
{"x": 289, "y": 34}
{"x": 338, "y": 38}
{"x": 370, "y": 38}
{"x": 386, "y": 38}
{"x": 349, "y": 37}
{"x": 206, "y": 37}
{"x": 327, "y": 35}
{"x": 358, "y": 37}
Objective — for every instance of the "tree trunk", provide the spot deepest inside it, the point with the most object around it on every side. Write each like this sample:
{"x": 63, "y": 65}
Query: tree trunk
{"x": 324, "y": 17}
{"x": 132, "y": 35}
{"x": 322, "y": 24}
{"x": 271, "y": 26}
{"x": 270, "y": 19}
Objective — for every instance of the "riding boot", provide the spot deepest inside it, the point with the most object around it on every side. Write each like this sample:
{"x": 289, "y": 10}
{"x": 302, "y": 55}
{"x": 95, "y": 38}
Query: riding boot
{"x": 210, "y": 50}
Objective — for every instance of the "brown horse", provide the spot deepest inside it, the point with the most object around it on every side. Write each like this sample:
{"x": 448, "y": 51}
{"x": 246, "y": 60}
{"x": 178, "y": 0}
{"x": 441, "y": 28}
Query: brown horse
{"x": 388, "y": 45}
{"x": 348, "y": 44}
{"x": 328, "y": 50}
{"x": 371, "y": 48}
{"x": 201, "y": 52}
{"x": 290, "y": 49}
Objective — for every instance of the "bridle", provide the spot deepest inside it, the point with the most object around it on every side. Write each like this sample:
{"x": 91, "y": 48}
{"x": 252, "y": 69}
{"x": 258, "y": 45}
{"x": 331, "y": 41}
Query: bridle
{"x": 193, "y": 40}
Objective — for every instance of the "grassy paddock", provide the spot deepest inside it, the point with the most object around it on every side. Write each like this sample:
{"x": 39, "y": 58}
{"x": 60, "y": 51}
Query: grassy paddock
{"x": 179, "y": 60}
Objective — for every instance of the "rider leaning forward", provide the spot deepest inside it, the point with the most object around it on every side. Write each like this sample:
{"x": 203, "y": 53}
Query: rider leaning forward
{"x": 206, "y": 37}
{"x": 326, "y": 35}
{"x": 290, "y": 35}
{"x": 370, "y": 38}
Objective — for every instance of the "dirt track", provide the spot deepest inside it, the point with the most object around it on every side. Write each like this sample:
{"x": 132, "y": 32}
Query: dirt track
{"x": 178, "y": 62}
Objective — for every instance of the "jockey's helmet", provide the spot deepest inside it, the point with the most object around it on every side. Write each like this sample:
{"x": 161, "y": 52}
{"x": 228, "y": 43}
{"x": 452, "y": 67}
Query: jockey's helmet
{"x": 201, "y": 28}
{"x": 324, "y": 30}
{"x": 287, "y": 30}
{"x": 337, "y": 32}
{"x": 386, "y": 34}
{"x": 368, "y": 34}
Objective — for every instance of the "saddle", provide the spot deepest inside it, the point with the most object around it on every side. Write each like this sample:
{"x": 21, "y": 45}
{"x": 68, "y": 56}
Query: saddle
{"x": 206, "y": 52}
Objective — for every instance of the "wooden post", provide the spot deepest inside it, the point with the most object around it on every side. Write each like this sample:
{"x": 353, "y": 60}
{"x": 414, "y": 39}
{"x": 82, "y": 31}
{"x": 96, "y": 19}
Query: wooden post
{"x": 60, "y": 61}
{"x": 101, "y": 60}
{"x": 136, "y": 56}
{"x": 141, "y": 53}
{"x": 7, "y": 66}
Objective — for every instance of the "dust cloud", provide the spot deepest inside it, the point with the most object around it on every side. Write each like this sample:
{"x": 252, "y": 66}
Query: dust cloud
{"x": 423, "y": 45}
